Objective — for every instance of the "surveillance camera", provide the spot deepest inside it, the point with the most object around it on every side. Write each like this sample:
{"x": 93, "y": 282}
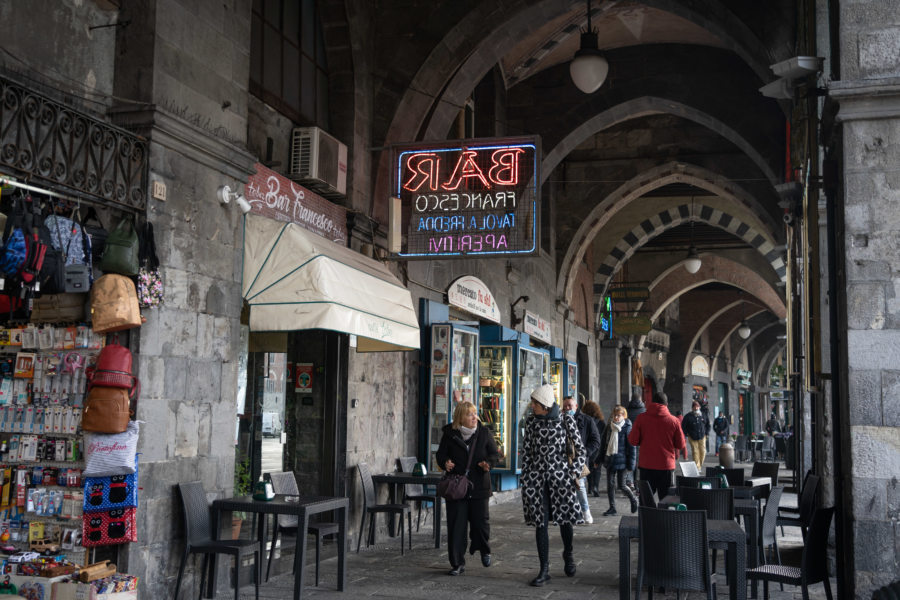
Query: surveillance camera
{"x": 243, "y": 205}
{"x": 788, "y": 218}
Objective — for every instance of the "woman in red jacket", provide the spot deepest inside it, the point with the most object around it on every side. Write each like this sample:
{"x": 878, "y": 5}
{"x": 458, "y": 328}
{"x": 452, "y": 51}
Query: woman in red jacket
{"x": 659, "y": 436}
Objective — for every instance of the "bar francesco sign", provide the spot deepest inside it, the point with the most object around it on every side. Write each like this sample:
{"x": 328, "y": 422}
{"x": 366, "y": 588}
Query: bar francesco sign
{"x": 473, "y": 296}
{"x": 468, "y": 197}
{"x": 277, "y": 197}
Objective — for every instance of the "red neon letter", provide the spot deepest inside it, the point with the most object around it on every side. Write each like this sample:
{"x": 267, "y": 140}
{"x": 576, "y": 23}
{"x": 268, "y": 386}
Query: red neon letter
{"x": 466, "y": 167}
{"x": 423, "y": 168}
{"x": 505, "y": 166}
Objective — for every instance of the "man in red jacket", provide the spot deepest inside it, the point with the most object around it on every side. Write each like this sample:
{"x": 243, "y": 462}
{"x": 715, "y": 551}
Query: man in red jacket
{"x": 659, "y": 436}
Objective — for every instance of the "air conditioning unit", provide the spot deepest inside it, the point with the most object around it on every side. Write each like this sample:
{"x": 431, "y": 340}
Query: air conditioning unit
{"x": 319, "y": 162}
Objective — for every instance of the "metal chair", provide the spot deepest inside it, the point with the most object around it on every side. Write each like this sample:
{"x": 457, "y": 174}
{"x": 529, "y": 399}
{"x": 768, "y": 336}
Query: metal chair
{"x": 718, "y": 504}
{"x": 766, "y": 469}
{"x": 806, "y": 507}
{"x": 813, "y": 563}
{"x": 768, "y": 449}
{"x": 199, "y": 540}
{"x": 793, "y": 511}
{"x": 371, "y": 508}
{"x": 740, "y": 448}
{"x": 284, "y": 482}
{"x": 735, "y": 477}
{"x": 646, "y": 496}
{"x": 769, "y": 520}
{"x": 416, "y": 492}
{"x": 673, "y": 551}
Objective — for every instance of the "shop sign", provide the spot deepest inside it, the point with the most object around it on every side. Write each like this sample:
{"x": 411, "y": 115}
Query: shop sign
{"x": 632, "y": 325}
{"x": 303, "y": 382}
{"x": 275, "y": 196}
{"x": 473, "y": 296}
{"x": 629, "y": 293}
{"x": 468, "y": 198}
{"x": 699, "y": 367}
{"x": 536, "y": 327}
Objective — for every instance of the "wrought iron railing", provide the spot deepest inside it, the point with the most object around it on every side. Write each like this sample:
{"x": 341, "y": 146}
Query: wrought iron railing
{"x": 51, "y": 143}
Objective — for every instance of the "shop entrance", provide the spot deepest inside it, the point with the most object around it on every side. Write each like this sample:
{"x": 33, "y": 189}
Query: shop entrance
{"x": 295, "y": 419}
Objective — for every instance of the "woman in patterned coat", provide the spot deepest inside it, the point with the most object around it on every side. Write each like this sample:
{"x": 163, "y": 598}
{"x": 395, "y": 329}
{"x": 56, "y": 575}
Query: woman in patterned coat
{"x": 549, "y": 482}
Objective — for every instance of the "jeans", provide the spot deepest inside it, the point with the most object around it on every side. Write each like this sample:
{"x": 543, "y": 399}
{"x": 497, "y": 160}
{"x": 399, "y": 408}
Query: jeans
{"x": 611, "y": 478}
{"x": 720, "y": 439}
{"x": 582, "y": 496}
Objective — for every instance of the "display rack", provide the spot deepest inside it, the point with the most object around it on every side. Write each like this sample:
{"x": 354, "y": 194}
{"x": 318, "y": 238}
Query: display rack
{"x": 494, "y": 387}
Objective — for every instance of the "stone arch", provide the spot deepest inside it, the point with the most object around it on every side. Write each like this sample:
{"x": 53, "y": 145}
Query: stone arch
{"x": 756, "y": 333}
{"x": 632, "y": 190}
{"x": 768, "y": 359}
{"x": 708, "y": 322}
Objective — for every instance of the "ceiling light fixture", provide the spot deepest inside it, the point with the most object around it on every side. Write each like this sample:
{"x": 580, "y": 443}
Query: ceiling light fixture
{"x": 692, "y": 262}
{"x": 744, "y": 329}
{"x": 588, "y": 68}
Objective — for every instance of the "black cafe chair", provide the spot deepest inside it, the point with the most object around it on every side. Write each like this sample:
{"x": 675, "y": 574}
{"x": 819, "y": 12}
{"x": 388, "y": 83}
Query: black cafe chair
{"x": 416, "y": 492}
{"x": 646, "y": 495}
{"x": 734, "y": 477}
{"x": 199, "y": 540}
{"x": 805, "y": 507}
{"x": 718, "y": 504}
{"x": 284, "y": 482}
{"x": 672, "y": 552}
{"x": 813, "y": 562}
{"x": 766, "y": 469}
{"x": 372, "y": 508}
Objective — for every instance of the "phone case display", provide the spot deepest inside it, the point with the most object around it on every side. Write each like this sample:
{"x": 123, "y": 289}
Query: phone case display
{"x": 495, "y": 390}
{"x": 564, "y": 379}
{"x": 556, "y": 380}
{"x": 453, "y": 377}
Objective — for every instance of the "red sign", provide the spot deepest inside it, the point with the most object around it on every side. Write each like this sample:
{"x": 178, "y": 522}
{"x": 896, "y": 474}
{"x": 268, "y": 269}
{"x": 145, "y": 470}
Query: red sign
{"x": 303, "y": 381}
{"x": 277, "y": 197}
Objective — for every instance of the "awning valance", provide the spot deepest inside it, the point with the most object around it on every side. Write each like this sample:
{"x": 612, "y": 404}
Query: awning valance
{"x": 294, "y": 279}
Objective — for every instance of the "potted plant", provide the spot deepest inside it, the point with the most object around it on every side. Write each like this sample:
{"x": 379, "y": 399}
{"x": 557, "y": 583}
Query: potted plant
{"x": 241, "y": 488}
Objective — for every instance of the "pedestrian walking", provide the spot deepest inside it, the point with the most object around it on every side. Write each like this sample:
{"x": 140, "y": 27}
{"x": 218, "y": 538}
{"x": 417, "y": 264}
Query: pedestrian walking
{"x": 595, "y": 462}
{"x": 590, "y": 437}
{"x": 549, "y": 478}
{"x": 463, "y": 436}
{"x": 696, "y": 427}
{"x": 720, "y": 426}
{"x": 619, "y": 458}
{"x": 635, "y": 408}
{"x": 658, "y": 435}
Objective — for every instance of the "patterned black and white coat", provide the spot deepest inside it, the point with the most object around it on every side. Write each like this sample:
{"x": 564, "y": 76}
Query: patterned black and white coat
{"x": 545, "y": 465}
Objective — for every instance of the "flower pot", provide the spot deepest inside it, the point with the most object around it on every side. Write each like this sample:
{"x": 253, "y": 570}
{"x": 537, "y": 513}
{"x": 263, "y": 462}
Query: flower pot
{"x": 236, "y": 528}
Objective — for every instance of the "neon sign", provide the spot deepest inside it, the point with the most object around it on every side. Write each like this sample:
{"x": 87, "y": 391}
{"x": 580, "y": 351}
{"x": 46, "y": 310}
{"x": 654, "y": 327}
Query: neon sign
{"x": 469, "y": 197}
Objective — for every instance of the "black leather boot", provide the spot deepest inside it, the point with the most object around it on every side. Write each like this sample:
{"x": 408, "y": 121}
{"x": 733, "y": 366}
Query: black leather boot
{"x": 566, "y": 532}
{"x": 542, "y": 537}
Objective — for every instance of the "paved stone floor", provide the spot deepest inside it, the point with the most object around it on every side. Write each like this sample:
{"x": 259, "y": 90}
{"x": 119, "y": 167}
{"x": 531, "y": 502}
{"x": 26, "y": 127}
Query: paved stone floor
{"x": 379, "y": 571}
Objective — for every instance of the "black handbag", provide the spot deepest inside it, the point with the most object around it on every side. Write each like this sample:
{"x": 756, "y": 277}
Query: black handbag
{"x": 455, "y": 486}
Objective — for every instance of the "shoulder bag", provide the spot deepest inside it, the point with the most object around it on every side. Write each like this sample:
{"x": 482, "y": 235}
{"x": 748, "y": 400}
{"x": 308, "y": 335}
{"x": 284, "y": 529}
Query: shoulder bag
{"x": 570, "y": 454}
{"x": 455, "y": 486}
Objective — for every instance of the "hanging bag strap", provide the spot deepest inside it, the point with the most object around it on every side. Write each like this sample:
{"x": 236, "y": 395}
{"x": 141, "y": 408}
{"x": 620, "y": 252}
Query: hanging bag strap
{"x": 148, "y": 257}
{"x": 471, "y": 452}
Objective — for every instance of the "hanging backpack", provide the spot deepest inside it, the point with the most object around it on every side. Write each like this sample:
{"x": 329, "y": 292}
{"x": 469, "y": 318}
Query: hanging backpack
{"x": 114, "y": 304}
{"x": 122, "y": 249}
{"x": 14, "y": 250}
{"x": 113, "y": 369}
{"x": 52, "y": 274}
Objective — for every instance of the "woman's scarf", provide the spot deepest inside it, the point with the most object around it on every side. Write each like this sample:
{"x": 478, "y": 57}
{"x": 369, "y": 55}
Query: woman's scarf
{"x": 612, "y": 447}
{"x": 467, "y": 432}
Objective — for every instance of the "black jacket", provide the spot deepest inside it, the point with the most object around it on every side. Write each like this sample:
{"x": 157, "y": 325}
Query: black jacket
{"x": 590, "y": 435}
{"x": 720, "y": 425}
{"x": 454, "y": 448}
{"x": 695, "y": 427}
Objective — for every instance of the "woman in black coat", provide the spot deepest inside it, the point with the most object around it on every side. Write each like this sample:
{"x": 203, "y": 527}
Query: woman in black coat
{"x": 618, "y": 457}
{"x": 595, "y": 461}
{"x": 464, "y": 435}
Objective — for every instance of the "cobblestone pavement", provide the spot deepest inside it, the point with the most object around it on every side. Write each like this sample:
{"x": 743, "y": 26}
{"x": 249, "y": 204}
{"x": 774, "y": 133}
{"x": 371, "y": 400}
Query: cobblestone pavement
{"x": 379, "y": 571}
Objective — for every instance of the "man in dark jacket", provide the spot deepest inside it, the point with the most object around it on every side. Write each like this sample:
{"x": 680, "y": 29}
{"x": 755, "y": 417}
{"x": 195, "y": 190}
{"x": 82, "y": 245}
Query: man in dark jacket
{"x": 720, "y": 426}
{"x": 590, "y": 437}
{"x": 696, "y": 428}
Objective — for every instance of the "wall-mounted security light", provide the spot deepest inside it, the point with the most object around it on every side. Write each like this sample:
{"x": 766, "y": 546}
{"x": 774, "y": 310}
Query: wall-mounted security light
{"x": 225, "y": 195}
{"x": 787, "y": 72}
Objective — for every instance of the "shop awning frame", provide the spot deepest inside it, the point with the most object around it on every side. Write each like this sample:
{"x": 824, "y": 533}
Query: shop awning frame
{"x": 294, "y": 279}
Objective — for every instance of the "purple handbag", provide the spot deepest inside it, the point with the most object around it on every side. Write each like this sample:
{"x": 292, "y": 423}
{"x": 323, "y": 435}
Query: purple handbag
{"x": 455, "y": 486}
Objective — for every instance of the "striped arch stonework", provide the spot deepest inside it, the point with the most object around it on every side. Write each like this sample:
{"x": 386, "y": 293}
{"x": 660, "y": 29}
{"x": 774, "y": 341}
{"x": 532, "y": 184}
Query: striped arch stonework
{"x": 672, "y": 217}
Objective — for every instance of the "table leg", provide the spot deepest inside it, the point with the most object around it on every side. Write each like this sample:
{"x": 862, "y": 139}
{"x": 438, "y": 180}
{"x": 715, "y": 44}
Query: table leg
{"x": 739, "y": 575}
{"x": 211, "y": 582}
{"x": 624, "y": 567}
{"x": 261, "y": 536}
{"x": 392, "y": 499}
{"x": 436, "y": 522}
{"x": 300, "y": 553}
{"x": 753, "y": 526}
{"x": 342, "y": 548}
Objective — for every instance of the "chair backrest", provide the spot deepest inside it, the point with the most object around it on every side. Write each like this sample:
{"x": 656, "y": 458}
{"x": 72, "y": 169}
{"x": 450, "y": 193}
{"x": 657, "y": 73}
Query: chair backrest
{"x": 766, "y": 469}
{"x": 197, "y": 522}
{"x": 807, "y": 500}
{"x": 770, "y": 516}
{"x": 718, "y": 504}
{"x": 365, "y": 477}
{"x": 768, "y": 443}
{"x": 814, "y": 562}
{"x": 735, "y": 477}
{"x": 283, "y": 482}
{"x": 695, "y": 482}
{"x": 647, "y": 496}
{"x": 674, "y": 548}
{"x": 740, "y": 444}
{"x": 689, "y": 469}
{"x": 406, "y": 466}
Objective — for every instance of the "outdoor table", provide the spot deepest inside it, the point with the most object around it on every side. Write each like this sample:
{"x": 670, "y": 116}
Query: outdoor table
{"x": 748, "y": 508}
{"x": 727, "y": 531}
{"x": 395, "y": 480}
{"x": 755, "y": 446}
{"x": 303, "y": 507}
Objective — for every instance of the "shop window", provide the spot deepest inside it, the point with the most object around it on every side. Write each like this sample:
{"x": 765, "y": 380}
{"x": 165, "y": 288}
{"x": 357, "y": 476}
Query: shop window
{"x": 288, "y": 69}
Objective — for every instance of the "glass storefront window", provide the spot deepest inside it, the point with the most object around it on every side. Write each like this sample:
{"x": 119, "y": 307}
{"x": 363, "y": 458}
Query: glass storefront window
{"x": 495, "y": 390}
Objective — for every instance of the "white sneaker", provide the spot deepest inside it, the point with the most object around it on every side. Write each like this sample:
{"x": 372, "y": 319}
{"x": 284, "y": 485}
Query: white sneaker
{"x": 588, "y": 518}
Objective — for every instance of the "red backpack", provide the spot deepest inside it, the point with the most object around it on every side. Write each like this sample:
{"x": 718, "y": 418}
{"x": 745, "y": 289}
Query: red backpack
{"x": 113, "y": 369}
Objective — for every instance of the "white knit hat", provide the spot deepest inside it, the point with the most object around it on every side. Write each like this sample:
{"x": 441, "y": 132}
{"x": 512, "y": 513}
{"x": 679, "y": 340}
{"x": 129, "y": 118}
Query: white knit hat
{"x": 544, "y": 395}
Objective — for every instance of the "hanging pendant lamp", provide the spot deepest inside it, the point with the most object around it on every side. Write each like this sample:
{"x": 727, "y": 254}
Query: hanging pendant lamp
{"x": 744, "y": 329}
{"x": 588, "y": 68}
{"x": 692, "y": 262}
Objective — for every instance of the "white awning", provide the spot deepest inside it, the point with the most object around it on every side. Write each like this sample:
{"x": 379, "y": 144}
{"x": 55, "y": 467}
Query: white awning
{"x": 294, "y": 279}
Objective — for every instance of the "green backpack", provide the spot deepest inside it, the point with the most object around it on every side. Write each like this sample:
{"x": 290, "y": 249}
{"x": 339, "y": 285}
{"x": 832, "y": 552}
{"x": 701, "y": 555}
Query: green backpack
{"x": 121, "y": 254}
